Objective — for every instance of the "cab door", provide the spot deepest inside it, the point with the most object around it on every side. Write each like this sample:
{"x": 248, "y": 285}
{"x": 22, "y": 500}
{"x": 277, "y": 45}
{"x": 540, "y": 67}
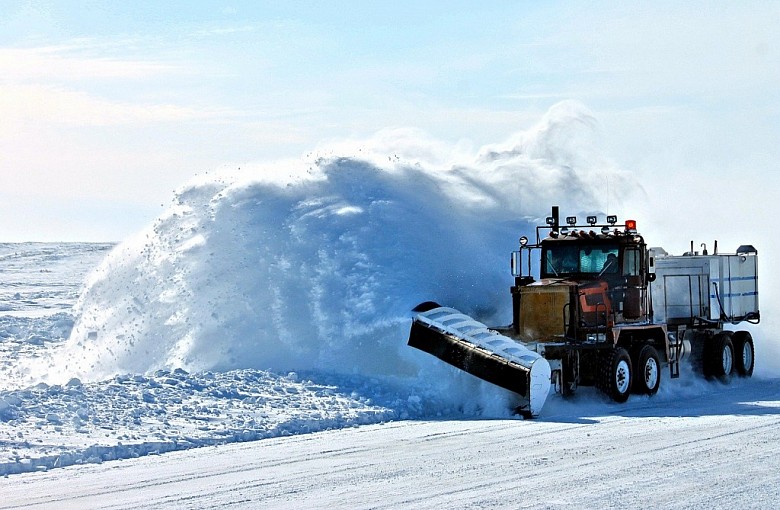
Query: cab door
{"x": 634, "y": 294}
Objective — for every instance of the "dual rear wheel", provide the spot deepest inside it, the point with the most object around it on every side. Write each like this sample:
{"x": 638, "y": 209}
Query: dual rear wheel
{"x": 729, "y": 353}
{"x": 620, "y": 375}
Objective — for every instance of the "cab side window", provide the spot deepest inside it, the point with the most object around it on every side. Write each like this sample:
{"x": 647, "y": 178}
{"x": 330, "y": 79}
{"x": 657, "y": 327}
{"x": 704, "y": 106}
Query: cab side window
{"x": 631, "y": 262}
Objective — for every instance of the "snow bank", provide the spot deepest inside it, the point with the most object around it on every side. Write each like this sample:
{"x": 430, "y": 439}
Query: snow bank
{"x": 129, "y": 416}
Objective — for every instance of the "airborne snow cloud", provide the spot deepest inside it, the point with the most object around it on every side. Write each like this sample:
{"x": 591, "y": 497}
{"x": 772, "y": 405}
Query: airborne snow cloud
{"x": 316, "y": 263}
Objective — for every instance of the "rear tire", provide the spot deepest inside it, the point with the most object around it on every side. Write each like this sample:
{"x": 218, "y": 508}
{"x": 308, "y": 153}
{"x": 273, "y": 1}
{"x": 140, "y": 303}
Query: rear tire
{"x": 615, "y": 374}
{"x": 744, "y": 353}
{"x": 647, "y": 371}
{"x": 719, "y": 357}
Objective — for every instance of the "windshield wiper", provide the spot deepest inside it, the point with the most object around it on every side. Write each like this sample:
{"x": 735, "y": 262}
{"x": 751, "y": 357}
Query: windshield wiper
{"x": 551, "y": 265}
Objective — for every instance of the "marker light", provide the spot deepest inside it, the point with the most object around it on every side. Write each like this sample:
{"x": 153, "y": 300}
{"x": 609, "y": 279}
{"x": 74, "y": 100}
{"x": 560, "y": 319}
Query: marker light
{"x": 592, "y": 220}
{"x": 523, "y": 241}
{"x": 611, "y": 219}
{"x": 630, "y": 225}
{"x": 605, "y": 230}
{"x": 550, "y": 221}
{"x": 571, "y": 220}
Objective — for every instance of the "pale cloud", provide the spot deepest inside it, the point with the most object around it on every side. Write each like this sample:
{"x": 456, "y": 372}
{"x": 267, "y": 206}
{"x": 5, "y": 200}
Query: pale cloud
{"x": 42, "y": 104}
{"x": 531, "y": 96}
{"x": 221, "y": 31}
{"x": 63, "y": 64}
{"x": 53, "y": 85}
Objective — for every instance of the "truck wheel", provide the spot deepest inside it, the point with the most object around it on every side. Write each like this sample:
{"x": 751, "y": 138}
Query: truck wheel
{"x": 615, "y": 374}
{"x": 647, "y": 371}
{"x": 719, "y": 357}
{"x": 744, "y": 353}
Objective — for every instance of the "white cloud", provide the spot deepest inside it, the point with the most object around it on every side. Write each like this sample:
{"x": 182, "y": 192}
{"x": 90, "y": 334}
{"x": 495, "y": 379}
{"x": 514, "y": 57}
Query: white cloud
{"x": 40, "y": 104}
{"x": 56, "y": 85}
{"x": 63, "y": 64}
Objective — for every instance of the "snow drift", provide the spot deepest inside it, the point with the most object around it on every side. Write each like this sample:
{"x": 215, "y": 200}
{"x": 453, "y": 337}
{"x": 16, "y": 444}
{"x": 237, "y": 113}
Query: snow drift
{"x": 316, "y": 264}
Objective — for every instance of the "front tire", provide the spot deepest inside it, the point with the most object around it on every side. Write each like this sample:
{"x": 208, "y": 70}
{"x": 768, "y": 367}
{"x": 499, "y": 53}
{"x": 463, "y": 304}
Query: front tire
{"x": 616, "y": 374}
{"x": 647, "y": 371}
{"x": 744, "y": 353}
{"x": 719, "y": 357}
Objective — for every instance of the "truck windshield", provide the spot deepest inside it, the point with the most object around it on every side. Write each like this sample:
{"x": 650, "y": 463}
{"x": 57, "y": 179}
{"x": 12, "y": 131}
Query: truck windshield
{"x": 565, "y": 259}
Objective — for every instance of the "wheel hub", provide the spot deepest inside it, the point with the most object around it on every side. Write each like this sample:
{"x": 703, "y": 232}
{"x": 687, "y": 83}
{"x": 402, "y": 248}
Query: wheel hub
{"x": 651, "y": 373}
{"x": 622, "y": 376}
{"x": 728, "y": 360}
{"x": 747, "y": 356}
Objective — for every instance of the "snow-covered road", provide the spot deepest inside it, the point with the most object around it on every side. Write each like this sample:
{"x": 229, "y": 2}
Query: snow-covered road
{"x": 717, "y": 450}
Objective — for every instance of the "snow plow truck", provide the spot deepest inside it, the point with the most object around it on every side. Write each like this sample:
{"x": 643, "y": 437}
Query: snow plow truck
{"x": 605, "y": 310}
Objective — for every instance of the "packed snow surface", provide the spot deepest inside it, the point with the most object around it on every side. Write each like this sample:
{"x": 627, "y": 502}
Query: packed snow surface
{"x": 273, "y": 301}
{"x": 715, "y": 450}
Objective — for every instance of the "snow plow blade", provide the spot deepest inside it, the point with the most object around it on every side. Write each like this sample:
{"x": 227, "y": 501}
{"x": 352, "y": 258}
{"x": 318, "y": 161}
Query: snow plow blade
{"x": 470, "y": 346}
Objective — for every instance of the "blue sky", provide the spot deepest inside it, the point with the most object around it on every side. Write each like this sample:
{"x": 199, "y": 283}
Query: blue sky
{"x": 106, "y": 107}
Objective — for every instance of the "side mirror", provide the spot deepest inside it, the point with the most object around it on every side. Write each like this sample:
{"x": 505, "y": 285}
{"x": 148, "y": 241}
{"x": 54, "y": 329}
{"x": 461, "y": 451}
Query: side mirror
{"x": 650, "y": 265}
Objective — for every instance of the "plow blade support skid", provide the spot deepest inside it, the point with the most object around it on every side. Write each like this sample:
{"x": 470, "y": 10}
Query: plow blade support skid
{"x": 470, "y": 346}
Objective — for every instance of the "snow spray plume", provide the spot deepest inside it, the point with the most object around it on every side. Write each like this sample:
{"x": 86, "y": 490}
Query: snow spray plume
{"x": 318, "y": 269}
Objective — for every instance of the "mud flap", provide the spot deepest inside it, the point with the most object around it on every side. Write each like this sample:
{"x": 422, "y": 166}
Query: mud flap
{"x": 470, "y": 346}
